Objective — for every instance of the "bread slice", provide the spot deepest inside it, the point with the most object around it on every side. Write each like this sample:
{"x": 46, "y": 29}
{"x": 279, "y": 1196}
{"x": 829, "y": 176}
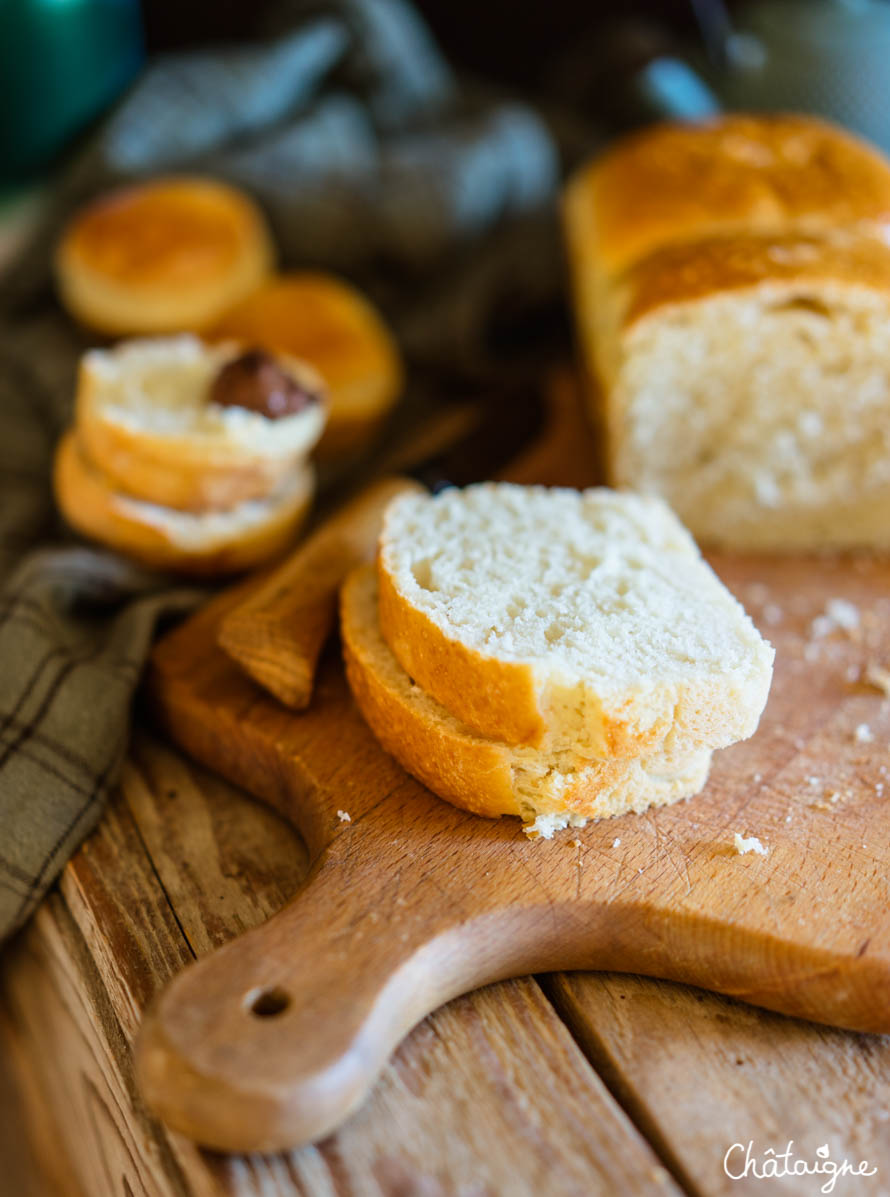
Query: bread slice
{"x": 146, "y": 421}
{"x": 747, "y": 382}
{"x": 573, "y": 621}
{"x": 482, "y": 775}
{"x": 162, "y": 256}
{"x": 204, "y": 543}
{"x": 330, "y": 324}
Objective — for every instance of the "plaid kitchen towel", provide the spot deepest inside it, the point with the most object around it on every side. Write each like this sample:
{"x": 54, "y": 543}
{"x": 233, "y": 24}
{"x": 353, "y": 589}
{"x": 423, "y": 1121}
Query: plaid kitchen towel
{"x": 370, "y": 158}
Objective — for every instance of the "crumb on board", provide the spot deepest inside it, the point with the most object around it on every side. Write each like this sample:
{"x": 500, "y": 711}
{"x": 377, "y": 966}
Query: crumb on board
{"x": 879, "y": 677}
{"x": 863, "y": 734}
{"x": 773, "y": 614}
{"x": 839, "y": 615}
{"x": 748, "y": 843}
{"x": 616, "y": 843}
{"x": 344, "y": 816}
{"x": 545, "y": 826}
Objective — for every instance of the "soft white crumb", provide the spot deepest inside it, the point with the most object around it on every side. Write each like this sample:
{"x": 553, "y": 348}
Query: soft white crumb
{"x": 879, "y": 677}
{"x": 773, "y": 613}
{"x": 616, "y": 843}
{"x": 749, "y": 843}
{"x": 864, "y": 734}
{"x": 546, "y": 826}
{"x": 344, "y": 816}
{"x": 814, "y": 781}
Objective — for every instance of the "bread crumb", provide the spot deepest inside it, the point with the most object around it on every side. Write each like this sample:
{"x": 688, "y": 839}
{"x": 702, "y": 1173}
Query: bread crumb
{"x": 879, "y": 677}
{"x": 843, "y": 613}
{"x": 576, "y": 844}
{"x": 344, "y": 816}
{"x": 616, "y": 843}
{"x": 545, "y": 826}
{"x": 749, "y": 843}
{"x": 863, "y": 734}
{"x": 773, "y": 613}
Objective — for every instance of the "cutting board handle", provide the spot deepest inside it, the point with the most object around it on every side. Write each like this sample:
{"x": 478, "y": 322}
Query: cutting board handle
{"x": 273, "y": 1039}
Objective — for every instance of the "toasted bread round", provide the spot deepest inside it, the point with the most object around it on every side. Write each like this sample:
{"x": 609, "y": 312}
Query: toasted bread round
{"x": 145, "y": 419}
{"x": 210, "y": 543}
{"x": 568, "y": 620}
{"x": 326, "y": 322}
{"x": 483, "y": 775}
{"x": 163, "y": 256}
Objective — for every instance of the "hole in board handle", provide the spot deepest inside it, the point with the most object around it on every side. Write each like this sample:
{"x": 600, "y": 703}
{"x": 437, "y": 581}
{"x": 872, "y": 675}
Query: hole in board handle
{"x": 267, "y": 1003}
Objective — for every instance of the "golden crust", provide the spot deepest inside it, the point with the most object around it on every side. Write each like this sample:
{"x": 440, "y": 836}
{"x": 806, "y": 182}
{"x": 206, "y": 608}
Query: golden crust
{"x": 90, "y": 506}
{"x": 325, "y": 321}
{"x": 686, "y": 273}
{"x": 165, "y": 256}
{"x": 188, "y": 474}
{"x": 470, "y": 771}
{"x": 741, "y": 173}
{"x": 493, "y": 697}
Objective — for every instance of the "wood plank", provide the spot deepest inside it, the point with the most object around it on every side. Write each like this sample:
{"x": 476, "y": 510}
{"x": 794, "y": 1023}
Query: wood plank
{"x": 699, "y": 1072}
{"x": 490, "y": 1096}
{"x": 80, "y": 1060}
{"x": 33, "y": 1164}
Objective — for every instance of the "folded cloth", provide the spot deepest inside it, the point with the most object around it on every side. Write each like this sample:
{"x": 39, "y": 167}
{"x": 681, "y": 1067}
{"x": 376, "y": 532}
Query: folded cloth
{"x": 369, "y": 157}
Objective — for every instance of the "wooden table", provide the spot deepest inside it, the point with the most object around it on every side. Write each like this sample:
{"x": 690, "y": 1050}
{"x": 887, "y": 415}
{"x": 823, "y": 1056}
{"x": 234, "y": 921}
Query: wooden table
{"x": 575, "y": 1084}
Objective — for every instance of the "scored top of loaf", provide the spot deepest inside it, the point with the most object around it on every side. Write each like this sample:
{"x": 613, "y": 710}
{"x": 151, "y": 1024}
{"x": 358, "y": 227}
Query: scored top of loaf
{"x": 810, "y": 267}
{"x": 586, "y": 620}
{"x": 753, "y": 174}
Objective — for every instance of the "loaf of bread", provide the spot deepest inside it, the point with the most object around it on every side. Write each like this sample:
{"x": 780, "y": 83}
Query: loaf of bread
{"x": 212, "y": 542}
{"x": 732, "y": 293}
{"x": 152, "y": 417}
{"x": 162, "y": 256}
{"x": 581, "y": 621}
{"x": 484, "y": 775}
{"x": 326, "y": 322}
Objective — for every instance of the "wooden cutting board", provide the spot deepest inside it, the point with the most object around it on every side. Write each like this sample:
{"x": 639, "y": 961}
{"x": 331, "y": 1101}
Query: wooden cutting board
{"x": 273, "y": 1039}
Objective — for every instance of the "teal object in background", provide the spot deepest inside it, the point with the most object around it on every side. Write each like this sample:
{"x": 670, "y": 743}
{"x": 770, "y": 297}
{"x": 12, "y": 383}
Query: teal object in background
{"x": 830, "y": 57}
{"x": 61, "y": 63}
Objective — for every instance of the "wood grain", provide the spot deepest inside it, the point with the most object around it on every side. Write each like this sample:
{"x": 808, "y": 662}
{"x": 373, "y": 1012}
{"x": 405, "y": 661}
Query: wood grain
{"x": 698, "y": 1073}
{"x": 489, "y": 1096}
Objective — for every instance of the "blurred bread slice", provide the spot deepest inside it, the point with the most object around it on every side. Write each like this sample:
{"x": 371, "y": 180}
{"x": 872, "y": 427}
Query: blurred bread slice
{"x": 162, "y": 256}
{"x": 581, "y": 621}
{"x": 483, "y": 775}
{"x": 146, "y": 420}
{"x": 207, "y": 543}
{"x": 334, "y": 327}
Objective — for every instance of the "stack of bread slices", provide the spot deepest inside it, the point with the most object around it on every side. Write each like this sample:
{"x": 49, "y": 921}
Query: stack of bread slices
{"x": 549, "y": 653}
{"x": 189, "y": 456}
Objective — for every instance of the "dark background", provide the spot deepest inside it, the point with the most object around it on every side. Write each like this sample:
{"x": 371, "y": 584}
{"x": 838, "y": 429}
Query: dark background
{"x": 506, "y": 40}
